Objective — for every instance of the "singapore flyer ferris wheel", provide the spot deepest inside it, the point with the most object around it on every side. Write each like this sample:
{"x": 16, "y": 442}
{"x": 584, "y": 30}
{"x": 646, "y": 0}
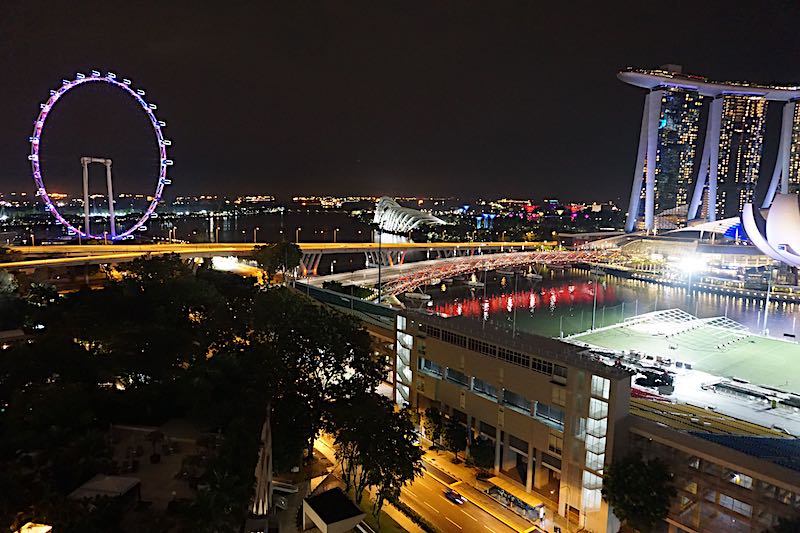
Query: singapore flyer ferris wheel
{"x": 161, "y": 181}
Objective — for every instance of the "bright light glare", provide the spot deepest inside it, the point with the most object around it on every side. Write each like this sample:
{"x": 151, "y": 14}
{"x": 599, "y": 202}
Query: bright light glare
{"x": 226, "y": 264}
{"x": 234, "y": 265}
{"x": 692, "y": 263}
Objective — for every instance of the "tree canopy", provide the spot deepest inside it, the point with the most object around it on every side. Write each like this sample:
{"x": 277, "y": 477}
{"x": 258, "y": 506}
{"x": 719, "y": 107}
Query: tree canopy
{"x": 433, "y": 422}
{"x": 375, "y": 446}
{"x": 166, "y": 340}
{"x": 481, "y": 453}
{"x": 455, "y": 436}
{"x": 278, "y": 257}
{"x": 639, "y": 491}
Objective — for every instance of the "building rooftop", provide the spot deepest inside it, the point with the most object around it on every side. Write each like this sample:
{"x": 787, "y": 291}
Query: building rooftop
{"x": 102, "y": 485}
{"x": 528, "y": 343}
{"x": 333, "y": 506}
{"x": 699, "y": 420}
{"x": 717, "y": 346}
{"x": 659, "y": 78}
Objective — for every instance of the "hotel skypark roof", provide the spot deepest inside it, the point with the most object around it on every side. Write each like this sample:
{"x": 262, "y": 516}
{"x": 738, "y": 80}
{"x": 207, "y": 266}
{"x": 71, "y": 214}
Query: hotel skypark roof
{"x": 663, "y": 79}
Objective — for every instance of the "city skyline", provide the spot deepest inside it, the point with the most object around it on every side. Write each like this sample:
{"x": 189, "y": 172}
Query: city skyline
{"x": 378, "y": 266}
{"x": 318, "y": 107}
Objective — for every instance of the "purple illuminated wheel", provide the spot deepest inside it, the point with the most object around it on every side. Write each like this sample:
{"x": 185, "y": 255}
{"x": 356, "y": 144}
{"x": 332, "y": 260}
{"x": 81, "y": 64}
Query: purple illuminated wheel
{"x": 138, "y": 94}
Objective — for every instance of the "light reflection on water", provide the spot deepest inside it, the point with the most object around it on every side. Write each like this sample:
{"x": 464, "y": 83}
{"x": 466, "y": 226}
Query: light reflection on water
{"x": 563, "y": 302}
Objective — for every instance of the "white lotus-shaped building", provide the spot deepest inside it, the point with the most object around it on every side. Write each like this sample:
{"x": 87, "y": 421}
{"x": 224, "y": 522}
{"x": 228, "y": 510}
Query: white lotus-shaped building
{"x": 778, "y": 235}
{"x": 393, "y": 218}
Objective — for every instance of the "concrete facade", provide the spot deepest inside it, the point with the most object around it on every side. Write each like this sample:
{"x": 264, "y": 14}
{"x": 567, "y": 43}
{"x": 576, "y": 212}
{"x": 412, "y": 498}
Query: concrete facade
{"x": 719, "y": 488}
{"x": 553, "y": 413}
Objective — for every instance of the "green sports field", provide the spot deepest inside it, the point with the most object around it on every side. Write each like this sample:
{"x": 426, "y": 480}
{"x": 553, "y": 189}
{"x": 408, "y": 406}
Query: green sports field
{"x": 721, "y": 351}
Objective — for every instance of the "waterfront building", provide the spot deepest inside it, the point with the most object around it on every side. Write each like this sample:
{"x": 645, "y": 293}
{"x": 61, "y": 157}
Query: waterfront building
{"x": 741, "y": 140}
{"x": 679, "y": 119}
{"x": 729, "y": 165}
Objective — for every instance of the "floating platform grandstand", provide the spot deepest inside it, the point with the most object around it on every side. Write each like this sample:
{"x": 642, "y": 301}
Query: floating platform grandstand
{"x": 717, "y": 346}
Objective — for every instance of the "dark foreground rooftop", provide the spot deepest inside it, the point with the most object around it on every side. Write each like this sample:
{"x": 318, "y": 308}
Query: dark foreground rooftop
{"x": 333, "y": 506}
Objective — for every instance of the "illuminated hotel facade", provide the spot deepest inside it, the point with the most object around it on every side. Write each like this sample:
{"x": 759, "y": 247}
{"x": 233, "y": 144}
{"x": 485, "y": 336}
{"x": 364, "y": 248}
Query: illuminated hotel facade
{"x": 677, "y": 143}
{"x": 741, "y": 140}
{"x": 724, "y": 177}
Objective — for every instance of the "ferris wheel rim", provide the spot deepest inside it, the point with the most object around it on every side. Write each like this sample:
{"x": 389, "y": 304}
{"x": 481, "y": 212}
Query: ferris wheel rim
{"x": 38, "y": 128}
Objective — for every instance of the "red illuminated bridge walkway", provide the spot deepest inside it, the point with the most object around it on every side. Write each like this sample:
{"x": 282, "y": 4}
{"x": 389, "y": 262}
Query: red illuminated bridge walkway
{"x": 402, "y": 278}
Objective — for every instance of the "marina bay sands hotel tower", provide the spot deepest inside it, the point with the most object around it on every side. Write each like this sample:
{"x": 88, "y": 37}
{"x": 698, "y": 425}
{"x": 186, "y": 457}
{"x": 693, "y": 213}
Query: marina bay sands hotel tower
{"x": 670, "y": 179}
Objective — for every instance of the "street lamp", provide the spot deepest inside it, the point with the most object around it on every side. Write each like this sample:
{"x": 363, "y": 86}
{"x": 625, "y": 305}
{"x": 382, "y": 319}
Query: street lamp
{"x": 594, "y": 305}
{"x": 80, "y": 230}
{"x": 332, "y": 263}
{"x": 216, "y": 234}
{"x": 33, "y": 240}
{"x": 766, "y": 303}
{"x": 380, "y": 255}
{"x": 105, "y": 240}
{"x": 335, "y": 231}
{"x": 297, "y": 234}
{"x": 255, "y": 234}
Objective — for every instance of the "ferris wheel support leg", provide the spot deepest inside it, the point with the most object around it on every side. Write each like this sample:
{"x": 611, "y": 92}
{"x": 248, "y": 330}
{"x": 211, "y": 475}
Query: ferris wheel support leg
{"x": 110, "y": 199}
{"x": 85, "y": 165}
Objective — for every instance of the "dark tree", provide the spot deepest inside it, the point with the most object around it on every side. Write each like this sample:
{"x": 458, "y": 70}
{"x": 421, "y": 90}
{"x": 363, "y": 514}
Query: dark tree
{"x": 399, "y": 458}
{"x": 167, "y": 340}
{"x": 8, "y": 283}
{"x": 455, "y": 436}
{"x": 433, "y": 424}
{"x": 481, "y": 453}
{"x": 375, "y": 445}
{"x": 639, "y": 491}
{"x": 279, "y": 257}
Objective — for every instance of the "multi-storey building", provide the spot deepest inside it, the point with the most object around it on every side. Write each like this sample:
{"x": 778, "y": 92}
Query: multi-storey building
{"x": 794, "y": 156}
{"x": 558, "y": 417}
{"x": 677, "y": 144}
{"x": 730, "y": 475}
{"x": 741, "y": 140}
{"x": 551, "y": 411}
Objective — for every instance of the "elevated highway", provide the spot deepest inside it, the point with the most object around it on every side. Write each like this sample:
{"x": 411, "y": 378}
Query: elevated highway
{"x": 386, "y": 254}
{"x": 433, "y": 261}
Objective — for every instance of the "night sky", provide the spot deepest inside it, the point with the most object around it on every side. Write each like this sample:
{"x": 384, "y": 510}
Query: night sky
{"x": 375, "y": 97}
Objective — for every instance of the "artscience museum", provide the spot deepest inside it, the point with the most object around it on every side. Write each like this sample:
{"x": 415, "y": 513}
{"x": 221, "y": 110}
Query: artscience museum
{"x": 776, "y": 235}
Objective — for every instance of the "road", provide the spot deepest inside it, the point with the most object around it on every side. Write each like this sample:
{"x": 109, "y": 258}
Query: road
{"x": 234, "y": 248}
{"x": 426, "y": 496}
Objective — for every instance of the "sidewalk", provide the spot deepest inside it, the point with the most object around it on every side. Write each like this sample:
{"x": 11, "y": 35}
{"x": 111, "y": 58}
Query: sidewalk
{"x": 466, "y": 475}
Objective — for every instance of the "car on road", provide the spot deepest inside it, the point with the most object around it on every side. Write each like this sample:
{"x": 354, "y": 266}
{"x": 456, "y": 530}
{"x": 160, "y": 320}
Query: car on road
{"x": 454, "y": 497}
